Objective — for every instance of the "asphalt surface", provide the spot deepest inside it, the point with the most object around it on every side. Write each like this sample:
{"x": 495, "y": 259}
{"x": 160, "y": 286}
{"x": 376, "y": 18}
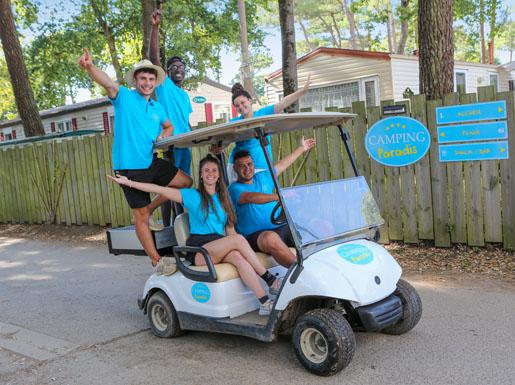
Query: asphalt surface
{"x": 68, "y": 315}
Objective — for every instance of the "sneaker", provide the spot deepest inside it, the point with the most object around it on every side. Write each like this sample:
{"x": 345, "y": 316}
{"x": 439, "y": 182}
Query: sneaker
{"x": 266, "y": 308}
{"x": 154, "y": 226}
{"x": 165, "y": 266}
{"x": 276, "y": 286}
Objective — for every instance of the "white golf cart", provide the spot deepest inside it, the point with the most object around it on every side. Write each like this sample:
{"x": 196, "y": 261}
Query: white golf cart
{"x": 342, "y": 281}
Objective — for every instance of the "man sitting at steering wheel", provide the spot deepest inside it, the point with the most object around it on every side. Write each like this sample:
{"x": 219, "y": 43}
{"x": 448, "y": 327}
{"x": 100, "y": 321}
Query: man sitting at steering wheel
{"x": 254, "y": 199}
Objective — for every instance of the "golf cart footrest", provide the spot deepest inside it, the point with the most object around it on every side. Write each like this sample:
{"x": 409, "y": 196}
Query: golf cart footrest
{"x": 380, "y": 314}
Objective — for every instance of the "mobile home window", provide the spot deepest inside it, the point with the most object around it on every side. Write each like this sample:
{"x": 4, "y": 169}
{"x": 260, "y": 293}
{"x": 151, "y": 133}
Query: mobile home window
{"x": 461, "y": 81}
{"x": 494, "y": 81}
{"x": 65, "y": 125}
{"x": 370, "y": 93}
{"x": 340, "y": 95}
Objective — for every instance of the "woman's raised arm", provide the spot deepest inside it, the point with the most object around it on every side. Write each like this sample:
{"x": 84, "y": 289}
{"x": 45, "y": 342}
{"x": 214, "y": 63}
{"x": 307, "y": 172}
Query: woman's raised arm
{"x": 171, "y": 193}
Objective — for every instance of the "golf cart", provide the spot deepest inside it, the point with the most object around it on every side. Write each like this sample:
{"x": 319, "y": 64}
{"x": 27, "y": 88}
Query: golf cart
{"x": 342, "y": 281}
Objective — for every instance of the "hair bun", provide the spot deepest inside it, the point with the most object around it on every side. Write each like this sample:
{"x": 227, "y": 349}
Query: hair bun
{"x": 237, "y": 87}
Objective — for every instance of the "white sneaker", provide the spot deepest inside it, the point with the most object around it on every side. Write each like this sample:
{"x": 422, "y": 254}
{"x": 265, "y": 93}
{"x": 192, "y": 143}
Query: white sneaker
{"x": 276, "y": 286}
{"x": 266, "y": 308}
{"x": 154, "y": 226}
{"x": 165, "y": 266}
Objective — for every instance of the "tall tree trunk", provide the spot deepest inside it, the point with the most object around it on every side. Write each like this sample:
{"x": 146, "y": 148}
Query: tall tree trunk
{"x": 329, "y": 30}
{"x": 404, "y": 27}
{"x": 353, "y": 31}
{"x": 289, "y": 67}
{"x": 306, "y": 35}
{"x": 482, "y": 30}
{"x": 493, "y": 27}
{"x": 106, "y": 29}
{"x": 338, "y": 34}
{"x": 436, "y": 60}
{"x": 246, "y": 70}
{"x": 392, "y": 44}
{"x": 27, "y": 108}
{"x": 147, "y": 7}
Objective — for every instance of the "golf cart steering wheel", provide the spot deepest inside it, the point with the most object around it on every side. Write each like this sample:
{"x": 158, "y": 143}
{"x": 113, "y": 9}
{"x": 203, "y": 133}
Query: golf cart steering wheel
{"x": 275, "y": 218}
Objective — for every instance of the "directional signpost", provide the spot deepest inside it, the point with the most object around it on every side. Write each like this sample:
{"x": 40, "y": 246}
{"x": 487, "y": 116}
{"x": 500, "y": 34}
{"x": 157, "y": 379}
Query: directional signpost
{"x": 487, "y": 132}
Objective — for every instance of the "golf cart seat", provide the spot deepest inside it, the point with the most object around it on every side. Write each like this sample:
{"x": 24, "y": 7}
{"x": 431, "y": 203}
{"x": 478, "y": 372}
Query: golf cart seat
{"x": 224, "y": 271}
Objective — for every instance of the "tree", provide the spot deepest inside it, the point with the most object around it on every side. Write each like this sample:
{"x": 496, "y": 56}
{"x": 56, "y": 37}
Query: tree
{"x": 147, "y": 7}
{"x": 436, "y": 48}
{"x": 289, "y": 55}
{"x": 26, "y": 105}
{"x": 246, "y": 68}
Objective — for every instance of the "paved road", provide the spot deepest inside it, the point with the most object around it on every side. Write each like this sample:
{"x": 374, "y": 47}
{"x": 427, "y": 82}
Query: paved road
{"x": 68, "y": 315}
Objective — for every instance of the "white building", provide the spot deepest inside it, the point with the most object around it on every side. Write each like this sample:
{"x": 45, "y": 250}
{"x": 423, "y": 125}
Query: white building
{"x": 342, "y": 76}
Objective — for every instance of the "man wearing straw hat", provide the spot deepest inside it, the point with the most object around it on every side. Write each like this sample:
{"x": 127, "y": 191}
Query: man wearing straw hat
{"x": 139, "y": 123}
{"x": 253, "y": 198}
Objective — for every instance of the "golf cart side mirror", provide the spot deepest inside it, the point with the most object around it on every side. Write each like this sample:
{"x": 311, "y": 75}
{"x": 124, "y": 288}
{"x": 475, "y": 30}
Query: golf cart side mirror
{"x": 202, "y": 276}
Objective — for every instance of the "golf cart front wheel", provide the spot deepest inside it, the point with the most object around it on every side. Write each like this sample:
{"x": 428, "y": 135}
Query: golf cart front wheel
{"x": 323, "y": 341}
{"x": 411, "y": 309}
{"x": 162, "y": 316}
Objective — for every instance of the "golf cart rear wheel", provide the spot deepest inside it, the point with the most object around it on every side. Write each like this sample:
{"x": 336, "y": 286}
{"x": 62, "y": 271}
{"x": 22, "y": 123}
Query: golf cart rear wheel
{"x": 162, "y": 316}
{"x": 323, "y": 341}
{"x": 411, "y": 309}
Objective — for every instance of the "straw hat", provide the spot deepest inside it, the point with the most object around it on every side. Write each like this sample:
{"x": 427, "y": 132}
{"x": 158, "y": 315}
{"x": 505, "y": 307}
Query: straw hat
{"x": 129, "y": 77}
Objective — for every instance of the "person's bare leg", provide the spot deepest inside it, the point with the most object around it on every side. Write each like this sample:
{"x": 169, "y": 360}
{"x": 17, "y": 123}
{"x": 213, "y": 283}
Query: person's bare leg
{"x": 247, "y": 273}
{"x": 180, "y": 180}
{"x": 141, "y": 217}
{"x": 221, "y": 247}
{"x": 271, "y": 243}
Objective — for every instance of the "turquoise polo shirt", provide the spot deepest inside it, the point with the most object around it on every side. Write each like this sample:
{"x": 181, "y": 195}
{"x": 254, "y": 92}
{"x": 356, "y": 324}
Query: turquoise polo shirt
{"x": 216, "y": 219}
{"x": 137, "y": 124}
{"x": 177, "y": 105}
{"x": 253, "y": 217}
{"x": 252, "y": 145}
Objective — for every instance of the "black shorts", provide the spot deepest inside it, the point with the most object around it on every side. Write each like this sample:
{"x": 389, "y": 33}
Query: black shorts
{"x": 200, "y": 240}
{"x": 160, "y": 172}
{"x": 283, "y": 232}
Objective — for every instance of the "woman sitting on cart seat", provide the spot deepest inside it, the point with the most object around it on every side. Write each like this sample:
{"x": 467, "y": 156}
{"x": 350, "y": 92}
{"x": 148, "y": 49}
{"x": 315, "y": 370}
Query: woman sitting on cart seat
{"x": 210, "y": 213}
{"x": 242, "y": 101}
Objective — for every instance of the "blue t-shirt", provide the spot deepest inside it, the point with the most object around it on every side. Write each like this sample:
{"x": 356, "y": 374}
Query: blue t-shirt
{"x": 177, "y": 105}
{"x": 199, "y": 224}
{"x": 253, "y": 217}
{"x": 137, "y": 124}
{"x": 252, "y": 145}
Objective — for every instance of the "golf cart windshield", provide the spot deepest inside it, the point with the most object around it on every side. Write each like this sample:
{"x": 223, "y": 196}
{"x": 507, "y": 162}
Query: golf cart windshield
{"x": 333, "y": 209}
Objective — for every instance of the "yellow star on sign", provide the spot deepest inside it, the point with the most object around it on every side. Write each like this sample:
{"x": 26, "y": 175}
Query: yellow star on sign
{"x": 403, "y": 126}
{"x": 442, "y": 134}
{"x": 503, "y": 149}
{"x": 392, "y": 125}
{"x": 499, "y": 109}
{"x": 398, "y": 124}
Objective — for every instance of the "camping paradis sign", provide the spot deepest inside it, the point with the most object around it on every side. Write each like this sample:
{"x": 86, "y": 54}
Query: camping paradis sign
{"x": 397, "y": 141}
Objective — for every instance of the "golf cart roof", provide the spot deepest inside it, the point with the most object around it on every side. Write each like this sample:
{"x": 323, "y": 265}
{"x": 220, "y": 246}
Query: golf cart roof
{"x": 239, "y": 130}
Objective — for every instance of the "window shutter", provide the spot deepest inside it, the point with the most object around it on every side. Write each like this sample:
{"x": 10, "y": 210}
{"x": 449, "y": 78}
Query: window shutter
{"x": 209, "y": 112}
{"x": 14, "y": 134}
{"x": 74, "y": 124}
{"x": 52, "y": 127}
{"x": 105, "y": 118}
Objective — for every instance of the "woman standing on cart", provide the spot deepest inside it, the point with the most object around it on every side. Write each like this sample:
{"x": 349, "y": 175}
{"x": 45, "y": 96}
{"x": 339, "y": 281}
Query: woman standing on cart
{"x": 242, "y": 101}
{"x": 210, "y": 213}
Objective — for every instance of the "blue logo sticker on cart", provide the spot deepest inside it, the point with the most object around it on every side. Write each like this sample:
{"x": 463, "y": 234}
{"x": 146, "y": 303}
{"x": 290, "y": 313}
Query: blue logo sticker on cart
{"x": 357, "y": 254}
{"x": 200, "y": 292}
{"x": 397, "y": 141}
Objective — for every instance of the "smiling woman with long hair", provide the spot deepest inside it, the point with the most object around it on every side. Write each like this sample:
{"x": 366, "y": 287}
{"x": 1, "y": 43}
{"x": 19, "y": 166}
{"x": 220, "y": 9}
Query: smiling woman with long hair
{"x": 210, "y": 214}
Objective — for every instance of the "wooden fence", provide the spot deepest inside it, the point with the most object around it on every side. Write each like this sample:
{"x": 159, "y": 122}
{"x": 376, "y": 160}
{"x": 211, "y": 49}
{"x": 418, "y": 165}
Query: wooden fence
{"x": 459, "y": 202}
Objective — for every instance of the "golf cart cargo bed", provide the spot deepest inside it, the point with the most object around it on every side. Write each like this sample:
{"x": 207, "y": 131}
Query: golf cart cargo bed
{"x": 123, "y": 240}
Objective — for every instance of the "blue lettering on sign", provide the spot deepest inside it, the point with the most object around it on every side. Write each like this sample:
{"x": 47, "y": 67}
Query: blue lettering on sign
{"x": 473, "y": 132}
{"x": 471, "y": 112}
{"x": 200, "y": 292}
{"x": 397, "y": 141}
{"x": 357, "y": 254}
{"x": 199, "y": 99}
{"x": 474, "y": 151}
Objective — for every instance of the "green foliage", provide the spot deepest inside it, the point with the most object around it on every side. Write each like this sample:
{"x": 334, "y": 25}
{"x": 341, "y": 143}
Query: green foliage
{"x": 7, "y": 103}
{"x": 47, "y": 177}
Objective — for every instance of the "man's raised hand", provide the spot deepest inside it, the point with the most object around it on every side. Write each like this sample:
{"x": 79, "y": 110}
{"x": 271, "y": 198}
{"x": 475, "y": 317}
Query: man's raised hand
{"x": 308, "y": 144}
{"x": 85, "y": 60}
{"x": 155, "y": 19}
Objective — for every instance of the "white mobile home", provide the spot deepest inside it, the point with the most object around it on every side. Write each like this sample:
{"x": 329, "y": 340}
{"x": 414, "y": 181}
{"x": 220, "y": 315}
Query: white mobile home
{"x": 342, "y": 76}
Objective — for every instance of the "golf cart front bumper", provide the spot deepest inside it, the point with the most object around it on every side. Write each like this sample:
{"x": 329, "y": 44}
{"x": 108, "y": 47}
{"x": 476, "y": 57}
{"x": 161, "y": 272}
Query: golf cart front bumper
{"x": 381, "y": 314}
